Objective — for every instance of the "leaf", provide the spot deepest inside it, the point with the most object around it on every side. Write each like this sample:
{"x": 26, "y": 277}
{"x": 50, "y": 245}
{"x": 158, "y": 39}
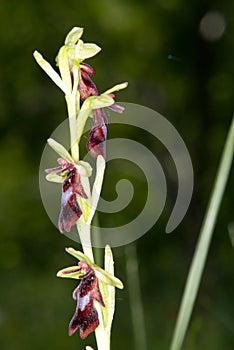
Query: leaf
{"x": 57, "y": 147}
{"x": 50, "y": 71}
{"x": 203, "y": 244}
{"x": 74, "y": 35}
{"x": 70, "y": 272}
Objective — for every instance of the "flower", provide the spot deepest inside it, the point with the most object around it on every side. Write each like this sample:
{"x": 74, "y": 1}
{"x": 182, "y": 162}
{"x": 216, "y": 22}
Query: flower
{"x": 86, "y": 316}
{"x": 91, "y": 276}
{"x": 70, "y": 209}
{"x": 98, "y": 133}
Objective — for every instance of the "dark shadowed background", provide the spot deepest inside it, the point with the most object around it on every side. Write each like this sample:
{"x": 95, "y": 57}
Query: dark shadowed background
{"x": 178, "y": 59}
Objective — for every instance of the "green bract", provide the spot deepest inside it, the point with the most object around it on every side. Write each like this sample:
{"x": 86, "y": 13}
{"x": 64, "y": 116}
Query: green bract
{"x": 53, "y": 177}
{"x": 57, "y": 147}
{"x": 50, "y": 71}
{"x": 97, "y": 186}
{"x": 63, "y": 64}
{"x": 108, "y": 292}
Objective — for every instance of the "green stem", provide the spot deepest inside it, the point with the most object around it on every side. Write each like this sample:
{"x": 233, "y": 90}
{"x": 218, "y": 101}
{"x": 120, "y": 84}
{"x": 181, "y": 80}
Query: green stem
{"x": 84, "y": 231}
{"x": 83, "y": 228}
{"x": 200, "y": 255}
{"x": 103, "y": 342}
{"x": 72, "y": 99}
{"x": 72, "y": 110}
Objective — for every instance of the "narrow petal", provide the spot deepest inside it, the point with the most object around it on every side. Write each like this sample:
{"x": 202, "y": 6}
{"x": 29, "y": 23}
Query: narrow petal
{"x": 78, "y": 255}
{"x": 117, "y": 108}
{"x": 116, "y": 88}
{"x": 70, "y": 272}
{"x": 60, "y": 149}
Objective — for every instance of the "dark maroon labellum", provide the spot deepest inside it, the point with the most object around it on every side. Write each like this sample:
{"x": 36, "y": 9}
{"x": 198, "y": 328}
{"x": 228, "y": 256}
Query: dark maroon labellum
{"x": 96, "y": 144}
{"x": 70, "y": 210}
{"x": 86, "y": 86}
{"x": 86, "y": 316}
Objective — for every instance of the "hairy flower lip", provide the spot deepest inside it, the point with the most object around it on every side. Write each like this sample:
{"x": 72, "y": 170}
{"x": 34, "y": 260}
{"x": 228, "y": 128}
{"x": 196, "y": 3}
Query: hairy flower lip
{"x": 98, "y": 134}
{"x": 86, "y": 86}
{"x": 70, "y": 209}
{"x": 86, "y": 315}
{"x": 71, "y": 187}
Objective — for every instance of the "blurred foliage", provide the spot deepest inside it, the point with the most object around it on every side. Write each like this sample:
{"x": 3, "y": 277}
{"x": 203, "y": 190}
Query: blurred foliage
{"x": 172, "y": 67}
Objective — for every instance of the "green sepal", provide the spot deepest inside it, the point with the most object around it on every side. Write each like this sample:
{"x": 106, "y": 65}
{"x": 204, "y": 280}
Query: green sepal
{"x": 107, "y": 278}
{"x": 57, "y": 147}
{"x": 84, "y": 168}
{"x": 53, "y": 177}
{"x": 79, "y": 255}
{"x": 70, "y": 272}
{"x": 74, "y": 35}
{"x": 84, "y": 51}
{"x": 101, "y": 101}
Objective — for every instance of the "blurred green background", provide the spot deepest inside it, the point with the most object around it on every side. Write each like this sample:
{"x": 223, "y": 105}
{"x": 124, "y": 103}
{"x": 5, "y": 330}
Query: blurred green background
{"x": 178, "y": 59}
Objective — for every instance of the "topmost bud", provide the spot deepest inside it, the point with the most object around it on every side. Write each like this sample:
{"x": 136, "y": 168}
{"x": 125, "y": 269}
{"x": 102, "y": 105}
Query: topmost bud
{"x": 78, "y": 49}
{"x": 73, "y": 36}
